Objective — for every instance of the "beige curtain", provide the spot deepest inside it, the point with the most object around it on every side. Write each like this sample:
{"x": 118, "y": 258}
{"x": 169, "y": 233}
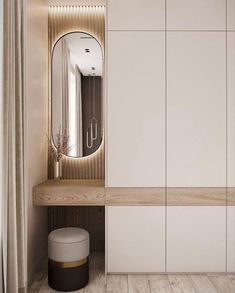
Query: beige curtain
{"x": 14, "y": 242}
{"x": 1, "y": 139}
{"x": 65, "y": 86}
{"x": 79, "y": 145}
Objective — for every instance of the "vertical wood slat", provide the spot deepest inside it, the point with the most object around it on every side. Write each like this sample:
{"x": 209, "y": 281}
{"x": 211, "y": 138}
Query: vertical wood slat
{"x": 89, "y": 218}
{"x": 91, "y": 20}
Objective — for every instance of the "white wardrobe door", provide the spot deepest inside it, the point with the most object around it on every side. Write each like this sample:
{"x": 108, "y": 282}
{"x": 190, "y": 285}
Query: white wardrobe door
{"x": 196, "y": 14}
{"x": 136, "y": 239}
{"x": 135, "y": 153}
{"x": 196, "y": 239}
{"x": 196, "y": 109}
{"x": 231, "y": 239}
{"x": 231, "y": 109}
{"x": 231, "y": 14}
{"x": 231, "y": 150}
{"x": 136, "y": 14}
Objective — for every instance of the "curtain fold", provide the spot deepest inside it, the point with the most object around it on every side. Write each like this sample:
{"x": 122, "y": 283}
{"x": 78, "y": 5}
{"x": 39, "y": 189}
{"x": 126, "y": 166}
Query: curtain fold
{"x": 14, "y": 233}
{"x": 65, "y": 86}
{"x": 1, "y": 140}
{"x": 79, "y": 145}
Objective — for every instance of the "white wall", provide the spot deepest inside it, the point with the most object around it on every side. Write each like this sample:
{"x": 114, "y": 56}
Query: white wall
{"x": 36, "y": 117}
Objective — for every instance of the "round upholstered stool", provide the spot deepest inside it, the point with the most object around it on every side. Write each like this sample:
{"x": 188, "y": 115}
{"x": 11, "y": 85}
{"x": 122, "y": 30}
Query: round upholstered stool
{"x": 68, "y": 265}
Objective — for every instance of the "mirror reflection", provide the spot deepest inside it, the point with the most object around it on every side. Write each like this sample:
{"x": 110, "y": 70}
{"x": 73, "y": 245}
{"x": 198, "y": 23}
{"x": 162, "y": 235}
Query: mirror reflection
{"x": 77, "y": 93}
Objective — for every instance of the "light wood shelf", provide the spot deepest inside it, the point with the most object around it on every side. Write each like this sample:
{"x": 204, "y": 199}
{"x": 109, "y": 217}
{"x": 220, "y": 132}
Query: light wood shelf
{"x": 69, "y": 193}
{"x": 94, "y": 193}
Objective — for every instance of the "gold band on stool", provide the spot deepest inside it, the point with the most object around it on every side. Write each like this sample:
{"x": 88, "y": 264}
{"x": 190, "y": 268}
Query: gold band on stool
{"x": 71, "y": 264}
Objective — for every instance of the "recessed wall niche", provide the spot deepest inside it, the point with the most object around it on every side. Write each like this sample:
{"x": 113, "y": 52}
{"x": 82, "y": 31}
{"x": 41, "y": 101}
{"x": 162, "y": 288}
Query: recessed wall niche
{"x": 89, "y": 20}
{"x": 90, "y": 218}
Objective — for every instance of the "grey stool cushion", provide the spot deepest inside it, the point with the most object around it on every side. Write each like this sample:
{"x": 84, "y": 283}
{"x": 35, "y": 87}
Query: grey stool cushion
{"x": 68, "y": 244}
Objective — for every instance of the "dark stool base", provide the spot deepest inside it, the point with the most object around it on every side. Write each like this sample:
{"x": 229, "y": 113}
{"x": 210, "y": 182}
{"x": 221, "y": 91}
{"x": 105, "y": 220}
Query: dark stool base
{"x": 68, "y": 279}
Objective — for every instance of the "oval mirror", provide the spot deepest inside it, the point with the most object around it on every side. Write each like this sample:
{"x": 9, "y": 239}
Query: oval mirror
{"x": 77, "y": 68}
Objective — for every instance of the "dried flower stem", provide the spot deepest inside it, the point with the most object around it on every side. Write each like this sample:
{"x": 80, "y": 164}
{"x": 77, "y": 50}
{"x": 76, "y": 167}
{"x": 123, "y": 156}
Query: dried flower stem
{"x": 61, "y": 146}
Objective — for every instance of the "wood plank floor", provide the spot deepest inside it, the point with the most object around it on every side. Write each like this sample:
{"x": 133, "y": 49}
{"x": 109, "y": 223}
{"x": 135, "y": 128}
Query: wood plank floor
{"x": 159, "y": 283}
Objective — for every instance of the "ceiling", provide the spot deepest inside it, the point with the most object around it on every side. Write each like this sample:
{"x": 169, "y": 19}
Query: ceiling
{"x": 86, "y": 52}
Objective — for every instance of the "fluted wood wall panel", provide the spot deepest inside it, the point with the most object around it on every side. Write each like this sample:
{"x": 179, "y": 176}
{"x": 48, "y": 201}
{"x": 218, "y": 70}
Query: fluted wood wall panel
{"x": 91, "y": 20}
{"x": 90, "y": 218}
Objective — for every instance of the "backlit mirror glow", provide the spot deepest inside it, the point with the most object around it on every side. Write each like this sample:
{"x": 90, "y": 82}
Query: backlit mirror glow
{"x": 77, "y": 69}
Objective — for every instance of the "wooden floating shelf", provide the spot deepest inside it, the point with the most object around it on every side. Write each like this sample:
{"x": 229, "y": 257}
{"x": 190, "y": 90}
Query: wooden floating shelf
{"x": 94, "y": 193}
{"x": 69, "y": 192}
